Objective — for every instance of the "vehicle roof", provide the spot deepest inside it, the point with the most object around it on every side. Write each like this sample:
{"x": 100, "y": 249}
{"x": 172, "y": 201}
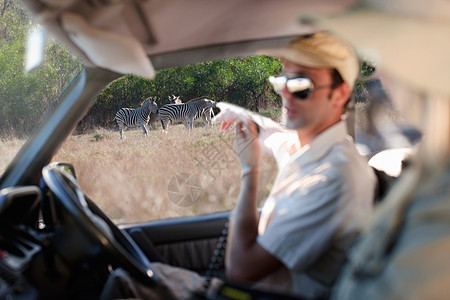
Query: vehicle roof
{"x": 173, "y": 32}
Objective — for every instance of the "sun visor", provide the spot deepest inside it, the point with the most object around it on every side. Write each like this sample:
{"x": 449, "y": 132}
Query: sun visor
{"x": 108, "y": 50}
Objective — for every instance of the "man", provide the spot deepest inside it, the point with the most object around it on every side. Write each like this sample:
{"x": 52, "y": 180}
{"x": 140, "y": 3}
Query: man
{"x": 323, "y": 189}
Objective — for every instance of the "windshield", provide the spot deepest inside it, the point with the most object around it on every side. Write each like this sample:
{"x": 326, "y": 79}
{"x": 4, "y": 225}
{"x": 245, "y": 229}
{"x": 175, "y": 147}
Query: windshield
{"x": 156, "y": 171}
{"x": 138, "y": 178}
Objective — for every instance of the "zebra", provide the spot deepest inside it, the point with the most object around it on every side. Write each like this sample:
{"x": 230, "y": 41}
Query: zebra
{"x": 128, "y": 117}
{"x": 185, "y": 112}
{"x": 206, "y": 114}
{"x": 175, "y": 99}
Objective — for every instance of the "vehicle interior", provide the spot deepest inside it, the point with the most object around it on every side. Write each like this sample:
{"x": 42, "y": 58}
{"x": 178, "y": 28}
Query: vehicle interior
{"x": 55, "y": 241}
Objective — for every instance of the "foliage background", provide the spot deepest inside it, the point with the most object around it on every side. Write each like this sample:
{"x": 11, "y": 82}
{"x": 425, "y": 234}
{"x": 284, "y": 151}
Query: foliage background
{"x": 241, "y": 81}
{"x": 25, "y": 97}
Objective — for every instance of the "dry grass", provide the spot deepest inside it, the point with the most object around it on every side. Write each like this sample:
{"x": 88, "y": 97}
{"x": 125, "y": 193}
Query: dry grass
{"x": 8, "y": 149}
{"x": 131, "y": 179}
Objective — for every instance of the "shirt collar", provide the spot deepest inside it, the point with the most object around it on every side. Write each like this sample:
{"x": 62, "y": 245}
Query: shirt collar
{"x": 322, "y": 143}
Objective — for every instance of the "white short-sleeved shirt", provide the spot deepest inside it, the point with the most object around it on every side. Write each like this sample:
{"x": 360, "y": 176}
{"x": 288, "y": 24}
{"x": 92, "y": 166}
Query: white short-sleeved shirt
{"x": 320, "y": 196}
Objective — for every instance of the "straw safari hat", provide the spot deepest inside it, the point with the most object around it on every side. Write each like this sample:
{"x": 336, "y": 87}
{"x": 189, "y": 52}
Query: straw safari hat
{"x": 320, "y": 50}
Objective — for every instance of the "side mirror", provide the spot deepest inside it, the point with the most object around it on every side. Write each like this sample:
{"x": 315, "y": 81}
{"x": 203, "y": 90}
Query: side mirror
{"x": 67, "y": 168}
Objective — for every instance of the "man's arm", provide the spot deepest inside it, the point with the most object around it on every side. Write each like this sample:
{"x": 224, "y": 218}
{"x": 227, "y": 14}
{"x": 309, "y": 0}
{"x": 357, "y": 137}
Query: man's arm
{"x": 245, "y": 258}
{"x": 267, "y": 128}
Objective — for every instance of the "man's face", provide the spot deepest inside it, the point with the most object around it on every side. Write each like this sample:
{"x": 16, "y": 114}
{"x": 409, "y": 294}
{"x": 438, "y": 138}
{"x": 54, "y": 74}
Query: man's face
{"x": 314, "y": 112}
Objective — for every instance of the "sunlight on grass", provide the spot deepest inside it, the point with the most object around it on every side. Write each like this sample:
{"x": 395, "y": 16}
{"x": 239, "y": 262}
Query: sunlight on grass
{"x": 162, "y": 175}
{"x": 8, "y": 149}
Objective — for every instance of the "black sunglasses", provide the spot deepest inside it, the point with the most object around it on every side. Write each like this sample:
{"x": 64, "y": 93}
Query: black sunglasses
{"x": 300, "y": 87}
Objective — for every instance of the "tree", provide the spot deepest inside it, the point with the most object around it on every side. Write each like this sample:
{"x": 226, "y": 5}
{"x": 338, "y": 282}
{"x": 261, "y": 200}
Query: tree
{"x": 26, "y": 96}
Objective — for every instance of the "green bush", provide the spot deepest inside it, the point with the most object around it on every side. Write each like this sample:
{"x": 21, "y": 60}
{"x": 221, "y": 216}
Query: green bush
{"x": 242, "y": 81}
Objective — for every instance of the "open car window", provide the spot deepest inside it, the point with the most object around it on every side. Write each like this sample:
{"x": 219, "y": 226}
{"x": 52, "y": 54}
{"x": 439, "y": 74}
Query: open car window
{"x": 171, "y": 173}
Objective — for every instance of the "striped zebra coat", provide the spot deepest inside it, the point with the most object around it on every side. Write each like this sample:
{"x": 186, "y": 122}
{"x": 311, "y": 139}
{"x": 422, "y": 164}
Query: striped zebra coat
{"x": 185, "y": 112}
{"x": 128, "y": 117}
{"x": 206, "y": 114}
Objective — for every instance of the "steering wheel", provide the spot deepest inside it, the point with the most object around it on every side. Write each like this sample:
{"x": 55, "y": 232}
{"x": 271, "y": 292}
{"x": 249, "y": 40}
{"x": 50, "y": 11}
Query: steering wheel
{"x": 88, "y": 231}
